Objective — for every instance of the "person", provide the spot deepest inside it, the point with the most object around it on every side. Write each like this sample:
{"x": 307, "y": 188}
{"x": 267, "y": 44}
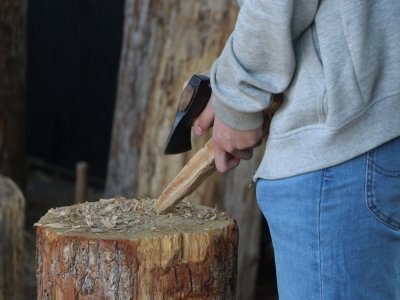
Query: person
{"x": 329, "y": 181}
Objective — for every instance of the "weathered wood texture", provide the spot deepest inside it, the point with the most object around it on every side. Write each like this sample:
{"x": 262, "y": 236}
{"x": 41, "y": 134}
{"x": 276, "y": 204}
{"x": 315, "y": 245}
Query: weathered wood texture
{"x": 12, "y": 89}
{"x": 165, "y": 42}
{"x": 12, "y": 210}
{"x": 190, "y": 254}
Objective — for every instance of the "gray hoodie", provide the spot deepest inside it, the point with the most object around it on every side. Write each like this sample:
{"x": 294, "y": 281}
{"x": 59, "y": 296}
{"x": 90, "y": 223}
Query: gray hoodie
{"x": 337, "y": 62}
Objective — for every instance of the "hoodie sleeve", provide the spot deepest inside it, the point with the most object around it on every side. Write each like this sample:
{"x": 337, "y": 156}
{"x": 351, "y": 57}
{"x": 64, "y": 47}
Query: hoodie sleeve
{"x": 258, "y": 59}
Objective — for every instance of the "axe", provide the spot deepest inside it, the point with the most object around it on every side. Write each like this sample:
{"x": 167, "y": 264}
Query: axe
{"x": 193, "y": 100}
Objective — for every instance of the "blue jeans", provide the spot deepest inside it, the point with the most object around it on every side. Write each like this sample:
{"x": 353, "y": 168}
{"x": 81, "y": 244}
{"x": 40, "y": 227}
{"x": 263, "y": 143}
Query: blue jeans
{"x": 336, "y": 232}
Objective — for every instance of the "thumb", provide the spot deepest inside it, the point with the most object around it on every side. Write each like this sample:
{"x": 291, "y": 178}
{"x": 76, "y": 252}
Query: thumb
{"x": 204, "y": 121}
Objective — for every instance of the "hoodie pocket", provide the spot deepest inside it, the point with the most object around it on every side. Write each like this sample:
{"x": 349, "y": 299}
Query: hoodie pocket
{"x": 383, "y": 183}
{"x": 303, "y": 105}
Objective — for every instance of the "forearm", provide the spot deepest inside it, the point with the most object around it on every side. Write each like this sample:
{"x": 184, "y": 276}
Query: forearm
{"x": 258, "y": 59}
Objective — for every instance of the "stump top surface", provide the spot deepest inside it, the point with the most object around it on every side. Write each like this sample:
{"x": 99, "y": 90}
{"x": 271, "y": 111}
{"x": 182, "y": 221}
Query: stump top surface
{"x": 121, "y": 218}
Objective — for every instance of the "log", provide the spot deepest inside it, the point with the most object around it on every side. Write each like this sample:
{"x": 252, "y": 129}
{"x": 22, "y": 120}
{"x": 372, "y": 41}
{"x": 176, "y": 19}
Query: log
{"x": 121, "y": 249}
{"x": 12, "y": 210}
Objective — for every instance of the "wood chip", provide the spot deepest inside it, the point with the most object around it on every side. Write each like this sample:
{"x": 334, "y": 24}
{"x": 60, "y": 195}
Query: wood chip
{"x": 107, "y": 223}
{"x": 88, "y": 219}
{"x": 56, "y": 225}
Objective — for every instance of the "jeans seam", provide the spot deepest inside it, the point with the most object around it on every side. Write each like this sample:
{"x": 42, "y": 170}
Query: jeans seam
{"x": 382, "y": 171}
{"x": 368, "y": 189}
{"x": 319, "y": 233}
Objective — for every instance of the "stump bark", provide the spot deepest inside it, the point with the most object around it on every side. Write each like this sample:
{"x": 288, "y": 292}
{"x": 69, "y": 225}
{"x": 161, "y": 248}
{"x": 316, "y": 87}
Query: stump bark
{"x": 121, "y": 249}
{"x": 12, "y": 209}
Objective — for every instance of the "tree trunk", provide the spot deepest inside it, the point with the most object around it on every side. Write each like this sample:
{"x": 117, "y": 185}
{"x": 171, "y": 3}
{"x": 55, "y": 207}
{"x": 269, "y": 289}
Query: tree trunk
{"x": 12, "y": 210}
{"x": 12, "y": 89}
{"x": 165, "y": 42}
{"x": 121, "y": 249}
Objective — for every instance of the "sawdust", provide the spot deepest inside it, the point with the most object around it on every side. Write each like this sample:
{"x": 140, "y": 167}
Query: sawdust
{"x": 121, "y": 215}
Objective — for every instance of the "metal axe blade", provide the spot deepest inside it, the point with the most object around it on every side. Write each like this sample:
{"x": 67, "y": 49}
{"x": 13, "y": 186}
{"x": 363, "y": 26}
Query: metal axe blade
{"x": 193, "y": 100}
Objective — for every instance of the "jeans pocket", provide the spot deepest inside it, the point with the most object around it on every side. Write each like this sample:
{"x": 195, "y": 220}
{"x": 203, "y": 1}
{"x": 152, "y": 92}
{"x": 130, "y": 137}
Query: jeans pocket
{"x": 383, "y": 183}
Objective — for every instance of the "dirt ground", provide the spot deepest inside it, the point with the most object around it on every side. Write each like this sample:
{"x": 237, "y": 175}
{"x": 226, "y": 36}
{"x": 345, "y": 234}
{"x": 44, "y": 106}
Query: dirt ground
{"x": 46, "y": 191}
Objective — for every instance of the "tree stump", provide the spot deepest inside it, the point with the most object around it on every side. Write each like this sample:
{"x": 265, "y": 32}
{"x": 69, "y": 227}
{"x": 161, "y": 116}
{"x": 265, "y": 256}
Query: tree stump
{"x": 121, "y": 249}
{"x": 12, "y": 211}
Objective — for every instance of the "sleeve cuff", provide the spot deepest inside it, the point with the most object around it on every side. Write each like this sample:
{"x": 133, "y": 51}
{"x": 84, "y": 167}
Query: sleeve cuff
{"x": 239, "y": 120}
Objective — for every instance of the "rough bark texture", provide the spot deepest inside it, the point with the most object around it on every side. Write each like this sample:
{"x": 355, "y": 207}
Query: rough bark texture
{"x": 12, "y": 89}
{"x": 189, "y": 260}
{"x": 12, "y": 210}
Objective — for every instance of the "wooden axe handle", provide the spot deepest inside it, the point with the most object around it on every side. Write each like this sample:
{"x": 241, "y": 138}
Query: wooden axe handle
{"x": 199, "y": 167}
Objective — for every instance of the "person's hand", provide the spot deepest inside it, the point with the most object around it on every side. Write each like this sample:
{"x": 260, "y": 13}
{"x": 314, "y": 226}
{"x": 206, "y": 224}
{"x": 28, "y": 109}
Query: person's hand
{"x": 230, "y": 145}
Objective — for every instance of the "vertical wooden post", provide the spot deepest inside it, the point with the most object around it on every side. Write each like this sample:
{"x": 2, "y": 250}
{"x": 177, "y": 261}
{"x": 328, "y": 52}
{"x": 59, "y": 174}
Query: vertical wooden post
{"x": 81, "y": 173}
{"x": 12, "y": 212}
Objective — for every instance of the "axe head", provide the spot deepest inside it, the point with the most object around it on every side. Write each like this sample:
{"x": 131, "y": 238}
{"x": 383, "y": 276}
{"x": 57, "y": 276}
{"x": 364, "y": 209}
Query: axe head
{"x": 193, "y": 100}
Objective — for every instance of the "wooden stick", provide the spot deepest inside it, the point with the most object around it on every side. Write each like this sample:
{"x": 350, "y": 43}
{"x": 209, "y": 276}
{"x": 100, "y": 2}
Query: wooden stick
{"x": 81, "y": 182}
